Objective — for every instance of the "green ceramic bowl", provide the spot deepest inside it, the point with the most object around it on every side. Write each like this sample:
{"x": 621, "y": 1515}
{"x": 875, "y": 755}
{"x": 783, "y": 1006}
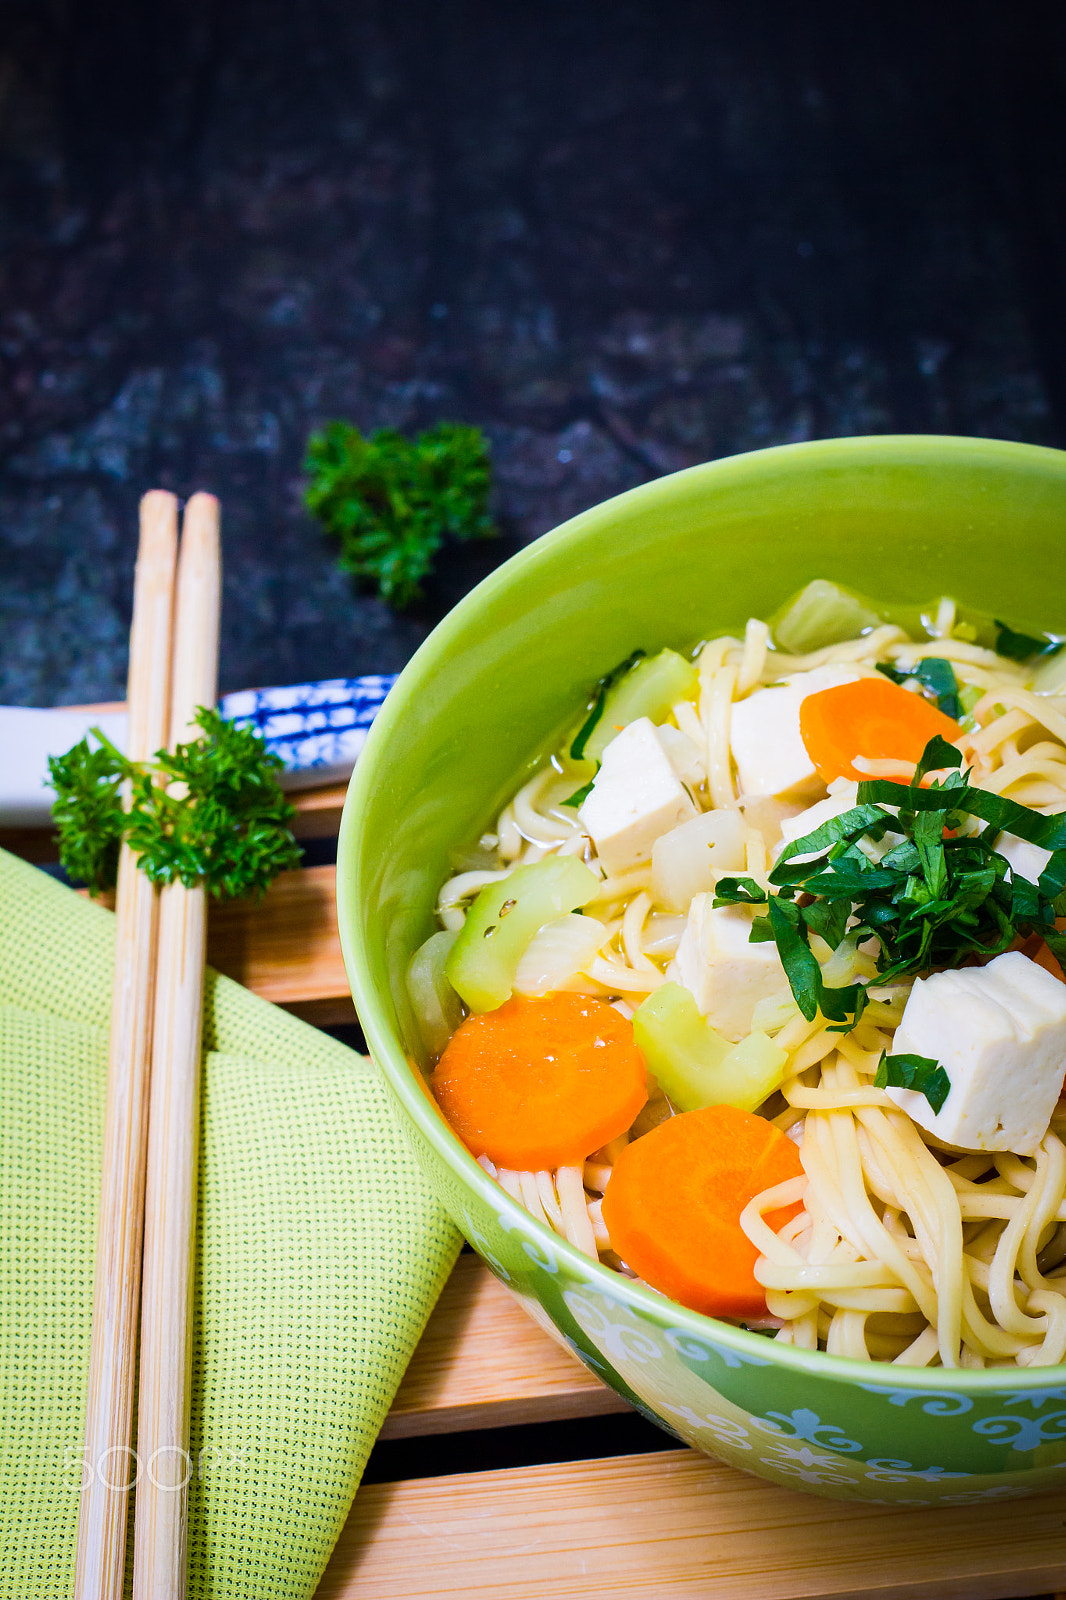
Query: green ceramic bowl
{"x": 902, "y": 519}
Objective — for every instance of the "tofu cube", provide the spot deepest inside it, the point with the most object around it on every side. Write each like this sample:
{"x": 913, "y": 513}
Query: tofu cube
{"x": 635, "y": 797}
{"x": 999, "y": 1032}
{"x": 726, "y": 975}
{"x": 765, "y": 740}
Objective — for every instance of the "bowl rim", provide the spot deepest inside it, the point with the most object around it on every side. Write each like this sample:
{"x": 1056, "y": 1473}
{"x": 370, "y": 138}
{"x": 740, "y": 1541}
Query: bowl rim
{"x": 751, "y": 1348}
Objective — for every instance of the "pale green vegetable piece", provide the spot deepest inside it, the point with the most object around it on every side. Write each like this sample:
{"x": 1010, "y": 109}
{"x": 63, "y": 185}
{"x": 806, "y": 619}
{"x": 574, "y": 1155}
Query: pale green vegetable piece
{"x": 822, "y": 614}
{"x": 694, "y": 1065}
{"x": 1050, "y": 676}
{"x": 693, "y": 856}
{"x": 774, "y": 1012}
{"x": 648, "y": 690}
{"x": 969, "y": 695}
{"x": 435, "y": 1003}
{"x": 557, "y": 953}
{"x": 503, "y": 919}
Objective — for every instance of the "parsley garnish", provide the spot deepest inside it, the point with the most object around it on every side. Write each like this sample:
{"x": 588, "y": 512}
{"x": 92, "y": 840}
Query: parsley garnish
{"x": 392, "y": 502}
{"x": 920, "y": 1073}
{"x": 585, "y": 732}
{"x": 935, "y": 897}
{"x": 937, "y": 678}
{"x": 227, "y": 827}
{"x": 1023, "y": 646}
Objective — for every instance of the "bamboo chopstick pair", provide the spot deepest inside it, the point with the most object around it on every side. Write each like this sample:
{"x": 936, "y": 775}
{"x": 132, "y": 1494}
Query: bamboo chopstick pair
{"x": 150, "y": 1132}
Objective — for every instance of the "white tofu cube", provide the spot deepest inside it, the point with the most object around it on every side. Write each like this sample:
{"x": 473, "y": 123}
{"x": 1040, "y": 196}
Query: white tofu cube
{"x": 1027, "y": 860}
{"x": 765, "y": 739}
{"x": 999, "y": 1032}
{"x": 636, "y": 796}
{"x": 690, "y": 859}
{"x": 726, "y": 975}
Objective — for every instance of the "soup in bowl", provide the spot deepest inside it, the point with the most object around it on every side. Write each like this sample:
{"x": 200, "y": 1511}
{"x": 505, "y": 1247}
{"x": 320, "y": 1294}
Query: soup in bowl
{"x": 491, "y": 693}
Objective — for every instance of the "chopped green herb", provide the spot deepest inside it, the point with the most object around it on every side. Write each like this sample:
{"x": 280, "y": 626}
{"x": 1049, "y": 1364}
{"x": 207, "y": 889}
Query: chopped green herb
{"x": 584, "y": 733}
{"x": 937, "y": 678}
{"x": 1024, "y": 646}
{"x": 739, "y": 891}
{"x": 227, "y": 827}
{"x": 1056, "y": 943}
{"x": 940, "y": 894}
{"x": 583, "y": 793}
{"x": 920, "y": 1073}
{"x": 392, "y": 502}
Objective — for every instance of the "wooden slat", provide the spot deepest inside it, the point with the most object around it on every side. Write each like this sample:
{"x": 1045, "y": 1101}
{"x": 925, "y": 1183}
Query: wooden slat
{"x": 483, "y": 1363}
{"x": 324, "y": 1013}
{"x": 675, "y": 1524}
{"x": 32, "y": 844}
{"x": 318, "y": 811}
{"x": 286, "y": 948}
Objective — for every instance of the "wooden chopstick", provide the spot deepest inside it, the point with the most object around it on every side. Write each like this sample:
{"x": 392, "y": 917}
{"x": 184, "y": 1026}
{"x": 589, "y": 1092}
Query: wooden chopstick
{"x": 160, "y": 1545}
{"x": 108, "y": 1465}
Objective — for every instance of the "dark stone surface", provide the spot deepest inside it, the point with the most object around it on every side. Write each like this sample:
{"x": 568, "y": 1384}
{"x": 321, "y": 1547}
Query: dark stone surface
{"x": 621, "y": 237}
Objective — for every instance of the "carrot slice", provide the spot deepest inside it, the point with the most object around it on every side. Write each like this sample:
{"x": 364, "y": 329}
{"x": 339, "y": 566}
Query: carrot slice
{"x": 870, "y": 717}
{"x": 673, "y": 1204}
{"x": 1045, "y": 959}
{"x": 1037, "y": 950}
{"x": 541, "y": 1083}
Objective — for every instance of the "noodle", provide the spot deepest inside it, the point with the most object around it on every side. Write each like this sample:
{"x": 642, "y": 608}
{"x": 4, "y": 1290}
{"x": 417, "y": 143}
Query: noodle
{"x": 903, "y": 1250}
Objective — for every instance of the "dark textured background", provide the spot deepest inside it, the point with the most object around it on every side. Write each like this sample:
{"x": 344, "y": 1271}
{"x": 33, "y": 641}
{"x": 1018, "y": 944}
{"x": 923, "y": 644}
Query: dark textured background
{"x": 620, "y": 237}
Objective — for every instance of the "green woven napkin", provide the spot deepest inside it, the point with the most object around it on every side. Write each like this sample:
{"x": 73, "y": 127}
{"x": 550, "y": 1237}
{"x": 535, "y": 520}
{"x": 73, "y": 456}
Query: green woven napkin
{"x": 321, "y": 1252}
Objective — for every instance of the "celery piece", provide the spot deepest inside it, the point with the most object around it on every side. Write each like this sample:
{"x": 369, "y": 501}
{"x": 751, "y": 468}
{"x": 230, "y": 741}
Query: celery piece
{"x": 821, "y": 614}
{"x": 501, "y": 922}
{"x": 648, "y": 690}
{"x": 969, "y": 695}
{"x": 694, "y": 1065}
{"x": 1050, "y": 675}
{"x": 434, "y": 1001}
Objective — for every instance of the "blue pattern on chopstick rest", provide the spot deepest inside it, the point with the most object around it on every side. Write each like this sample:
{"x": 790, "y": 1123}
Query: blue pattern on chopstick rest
{"x": 317, "y": 729}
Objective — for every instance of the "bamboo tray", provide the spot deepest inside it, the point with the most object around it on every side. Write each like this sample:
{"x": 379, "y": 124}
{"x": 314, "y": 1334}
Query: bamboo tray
{"x": 664, "y": 1523}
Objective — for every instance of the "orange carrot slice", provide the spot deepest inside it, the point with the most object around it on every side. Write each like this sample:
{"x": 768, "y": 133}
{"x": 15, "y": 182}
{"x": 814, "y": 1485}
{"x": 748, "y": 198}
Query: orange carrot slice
{"x": 870, "y": 717}
{"x": 1045, "y": 959}
{"x": 541, "y": 1083}
{"x": 1036, "y": 949}
{"x": 673, "y": 1204}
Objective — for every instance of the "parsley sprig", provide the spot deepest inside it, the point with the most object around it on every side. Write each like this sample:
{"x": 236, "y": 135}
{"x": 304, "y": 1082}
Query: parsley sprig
{"x": 209, "y": 812}
{"x": 938, "y": 895}
{"x": 392, "y": 502}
